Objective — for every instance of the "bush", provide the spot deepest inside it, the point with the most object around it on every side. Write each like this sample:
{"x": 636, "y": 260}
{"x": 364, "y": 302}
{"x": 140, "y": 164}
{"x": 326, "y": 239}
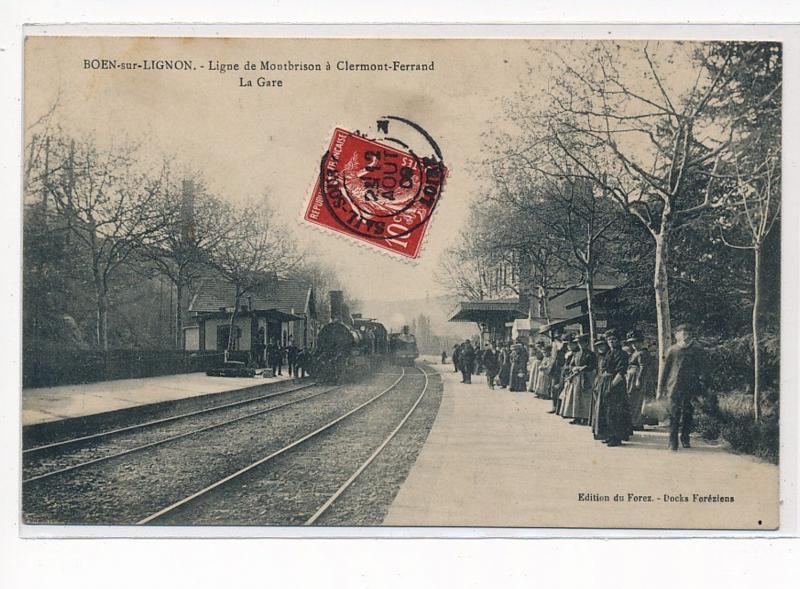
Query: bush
{"x": 731, "y": 363}
{"x": 730, "y": 416}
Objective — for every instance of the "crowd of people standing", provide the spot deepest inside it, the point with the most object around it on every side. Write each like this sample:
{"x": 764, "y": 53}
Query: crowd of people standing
{"x": 607, "y": 387}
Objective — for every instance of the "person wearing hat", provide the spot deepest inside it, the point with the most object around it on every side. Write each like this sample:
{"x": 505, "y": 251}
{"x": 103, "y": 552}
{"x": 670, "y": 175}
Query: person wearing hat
{"x": 637, "y": 364}
{"x": 583, "y": 366}
{"x": 537, "y": 355}
{"x": 600, "y": 350}
{"x": 467, "y": 361}
{"x": 491, "y": 364}
{"x": 559, "y": 355}
{"x": 543, "y": 381}
{"x": 519, "y": 367}
{"x": 613, "y": 423}
{"x": 683, "y": 380}
{"x": 455, "y": 356}
{"x": 504, "y": 359}
{"x": 567, "y": 409}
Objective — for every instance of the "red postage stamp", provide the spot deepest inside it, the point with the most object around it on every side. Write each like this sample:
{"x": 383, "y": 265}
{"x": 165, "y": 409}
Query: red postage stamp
{"x": 381, "y": 193}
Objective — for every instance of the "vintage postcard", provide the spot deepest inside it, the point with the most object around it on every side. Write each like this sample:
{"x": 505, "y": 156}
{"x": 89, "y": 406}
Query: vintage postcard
{"x": 332, "y": 282}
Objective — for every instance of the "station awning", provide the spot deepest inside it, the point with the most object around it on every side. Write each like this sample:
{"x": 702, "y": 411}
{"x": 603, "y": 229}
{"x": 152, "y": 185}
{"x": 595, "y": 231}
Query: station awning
{"x": 563, "y": 323}
{"x": 278, "y": 315}
{"x": 501, "y": 310}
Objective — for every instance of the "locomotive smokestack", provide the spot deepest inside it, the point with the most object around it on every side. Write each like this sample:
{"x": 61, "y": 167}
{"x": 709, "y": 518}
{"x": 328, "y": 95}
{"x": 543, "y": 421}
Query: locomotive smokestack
{"x": 405, "y": 329}
{"x": 337, "y": 302}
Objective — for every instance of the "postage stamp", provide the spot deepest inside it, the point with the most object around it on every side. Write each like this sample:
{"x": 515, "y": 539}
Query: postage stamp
{"x": 376, "y": 192}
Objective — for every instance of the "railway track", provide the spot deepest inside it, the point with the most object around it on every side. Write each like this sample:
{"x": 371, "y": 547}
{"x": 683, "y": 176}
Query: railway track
{"x": 215, "y": 492}
{"x": 126, "y": 489}
{"x": 153, "y": 422}
{"x": 160, "y": 422}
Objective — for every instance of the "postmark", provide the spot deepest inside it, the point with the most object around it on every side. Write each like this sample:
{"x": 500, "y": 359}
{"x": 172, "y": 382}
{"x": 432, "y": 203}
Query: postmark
{"x": 379, "y": 191}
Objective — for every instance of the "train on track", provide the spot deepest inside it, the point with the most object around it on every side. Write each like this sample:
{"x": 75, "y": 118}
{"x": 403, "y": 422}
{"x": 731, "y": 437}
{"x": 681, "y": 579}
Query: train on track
{"x": 351, "y": 345}
{"x": 403, "y": 347}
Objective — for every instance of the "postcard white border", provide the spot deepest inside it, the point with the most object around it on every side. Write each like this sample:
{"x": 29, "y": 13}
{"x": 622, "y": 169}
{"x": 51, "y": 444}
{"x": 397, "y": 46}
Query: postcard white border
{"x": 495, "y": 559}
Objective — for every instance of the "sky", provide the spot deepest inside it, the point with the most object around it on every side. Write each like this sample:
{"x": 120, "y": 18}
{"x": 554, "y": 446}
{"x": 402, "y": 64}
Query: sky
{"x": 252, "y": 143}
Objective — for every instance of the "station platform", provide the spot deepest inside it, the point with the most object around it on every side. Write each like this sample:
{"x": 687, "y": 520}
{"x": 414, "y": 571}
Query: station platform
{"x": 496, "y": 458}
{"x": 49, "y": 404}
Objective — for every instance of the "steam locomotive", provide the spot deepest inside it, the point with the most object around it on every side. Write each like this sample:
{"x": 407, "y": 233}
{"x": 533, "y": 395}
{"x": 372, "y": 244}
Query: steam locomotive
{"x": 403, "y": 347}
{"x": 349, "y": 345}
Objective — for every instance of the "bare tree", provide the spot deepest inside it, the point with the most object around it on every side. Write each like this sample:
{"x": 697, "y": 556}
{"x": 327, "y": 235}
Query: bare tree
{"x": 105, "y": 201}
{"x": 194, "y": 222}
{"x": 463, "y": 272}
{"x": 653, "y": 148}
{"x": 255, "y": 249}
{"x": 756, "y": 204}
{"x": 586, "y": 219}
{"x": 522, "y": 212}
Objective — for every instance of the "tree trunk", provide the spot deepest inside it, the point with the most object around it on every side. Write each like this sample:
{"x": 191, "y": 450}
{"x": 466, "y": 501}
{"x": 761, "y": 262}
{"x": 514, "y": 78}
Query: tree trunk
{"x": 756, "y": 335}
{"x": 101, "y": 301}
{"x": 179, "y": 314}
{"x": 102, "y": 319}
{"x": 661, "y": 287}
{"x": 590, "y": 308}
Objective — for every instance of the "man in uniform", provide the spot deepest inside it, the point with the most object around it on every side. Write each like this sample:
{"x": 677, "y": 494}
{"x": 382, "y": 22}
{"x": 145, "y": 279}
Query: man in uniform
{"x": 682, "y": 379}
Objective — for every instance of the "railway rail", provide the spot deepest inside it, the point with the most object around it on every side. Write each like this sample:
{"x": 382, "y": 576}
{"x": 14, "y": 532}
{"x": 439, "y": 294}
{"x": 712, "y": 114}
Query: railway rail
{"x": 328, "y": 461}
{"x": 153, "y": 422}
{"x": 172, "y": 438}
{"x": 175, "y": 509}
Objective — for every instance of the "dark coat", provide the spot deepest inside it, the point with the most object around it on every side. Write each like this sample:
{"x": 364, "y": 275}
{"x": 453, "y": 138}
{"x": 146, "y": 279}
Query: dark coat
{"x": 491, "y": 362}
{"x": 467, "y": 356}
{"x": 684, "y": 370}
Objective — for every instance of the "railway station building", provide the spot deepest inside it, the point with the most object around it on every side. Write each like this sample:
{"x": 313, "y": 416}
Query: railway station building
{"x": 278, "y": 309}
{"x": 529, "y": 318}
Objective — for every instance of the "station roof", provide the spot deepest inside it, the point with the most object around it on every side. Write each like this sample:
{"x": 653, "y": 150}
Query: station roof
{"x": 489, "y": 310}
{"x": 279, "y": 299}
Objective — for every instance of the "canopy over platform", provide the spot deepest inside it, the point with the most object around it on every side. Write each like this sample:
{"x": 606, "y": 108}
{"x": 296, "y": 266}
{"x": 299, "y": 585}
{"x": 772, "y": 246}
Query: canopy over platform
{"x": 556, "y": 326}
{"x": 491, "y": 311}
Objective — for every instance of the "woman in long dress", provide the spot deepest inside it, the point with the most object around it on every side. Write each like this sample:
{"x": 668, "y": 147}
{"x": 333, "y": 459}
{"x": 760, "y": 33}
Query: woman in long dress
{"x": 505, "y": 366}
{"x": 613, "y": 423}
{"x": 519, "y": 368}
{"x": 544, "y": 382}
{"x": 568, "y": 391}
{"x": 536, "y": 361}
{"x": 584, "y": 364}
{"x": 635, "y": 391}
{"x": 601, "y": 351}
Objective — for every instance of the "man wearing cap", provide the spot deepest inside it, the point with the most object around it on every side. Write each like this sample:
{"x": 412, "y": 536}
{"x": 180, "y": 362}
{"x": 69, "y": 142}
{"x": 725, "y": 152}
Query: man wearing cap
{"x": 682, "y": 379}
